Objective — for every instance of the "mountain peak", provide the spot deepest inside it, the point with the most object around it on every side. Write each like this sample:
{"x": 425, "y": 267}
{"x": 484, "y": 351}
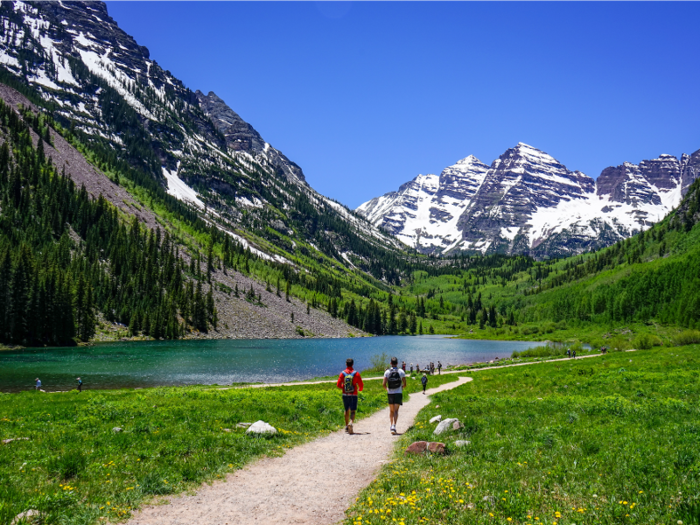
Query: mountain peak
{"x": 471, "y": 159}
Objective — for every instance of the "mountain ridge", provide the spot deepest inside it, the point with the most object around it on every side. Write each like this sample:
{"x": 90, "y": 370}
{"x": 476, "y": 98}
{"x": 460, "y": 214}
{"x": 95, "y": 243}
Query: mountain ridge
{"x": 528, "y": 202}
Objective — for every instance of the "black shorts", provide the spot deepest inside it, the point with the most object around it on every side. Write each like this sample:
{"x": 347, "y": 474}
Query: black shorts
{"x": 350, "y": 402}
{"x": 395, "y": 399}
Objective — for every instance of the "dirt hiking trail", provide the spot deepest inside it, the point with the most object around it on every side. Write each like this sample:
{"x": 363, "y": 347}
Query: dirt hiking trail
{"x": 313, "y": 483}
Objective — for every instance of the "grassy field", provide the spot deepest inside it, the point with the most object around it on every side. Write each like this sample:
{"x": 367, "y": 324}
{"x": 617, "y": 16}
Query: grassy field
{"x": 76, "y": 470}
{"x": 609, "y": 440}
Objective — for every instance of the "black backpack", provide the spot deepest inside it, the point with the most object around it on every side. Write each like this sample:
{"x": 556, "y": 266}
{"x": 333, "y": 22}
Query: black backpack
{"x": 393, "y": 379}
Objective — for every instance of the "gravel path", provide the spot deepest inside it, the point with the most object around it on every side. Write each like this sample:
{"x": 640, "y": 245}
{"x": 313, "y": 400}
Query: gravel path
{"x": 313, "y": 483}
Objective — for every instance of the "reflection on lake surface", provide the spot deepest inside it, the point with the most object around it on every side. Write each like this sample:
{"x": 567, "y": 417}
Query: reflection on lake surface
{"x": 157, "y": 363}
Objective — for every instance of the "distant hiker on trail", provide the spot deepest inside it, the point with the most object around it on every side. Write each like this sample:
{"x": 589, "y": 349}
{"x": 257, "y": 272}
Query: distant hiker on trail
{"x": 439, "y": 367}
{"x": 424, "y": 382}
{"x": 568, "y": 353}
{"x": 403, "y": 365}
{"x": 350, "y": 383}
{"x": 394, "y": 383}
{"x": 80, "y": 384}
{"x": 574, "y": 354}
{"x": 37, "y": 384}
{"x": 417, "y": 368}
{"x": 411, "y": 367}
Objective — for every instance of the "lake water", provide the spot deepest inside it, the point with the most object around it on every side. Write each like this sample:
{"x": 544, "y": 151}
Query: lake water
{"x": 158, "y": 363}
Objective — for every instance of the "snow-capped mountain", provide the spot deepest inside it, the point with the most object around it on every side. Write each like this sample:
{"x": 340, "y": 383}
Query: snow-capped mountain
{"x": 108, "y": 90}
{"x": 425, "y": 211}
{"x": 528, "y": 202}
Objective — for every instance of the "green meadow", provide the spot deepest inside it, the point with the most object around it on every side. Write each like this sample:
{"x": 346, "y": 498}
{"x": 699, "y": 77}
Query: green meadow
{"x": 608, "y": 440}
{"x": 75, "y": 469}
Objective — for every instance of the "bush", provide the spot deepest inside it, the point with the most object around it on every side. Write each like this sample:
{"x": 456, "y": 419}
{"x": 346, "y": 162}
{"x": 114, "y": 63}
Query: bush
{"x": 618, "y": 344}
{"x": 380, "y": 362}
{"x": 646, "y": 341}
{"x": 689, "y": 337}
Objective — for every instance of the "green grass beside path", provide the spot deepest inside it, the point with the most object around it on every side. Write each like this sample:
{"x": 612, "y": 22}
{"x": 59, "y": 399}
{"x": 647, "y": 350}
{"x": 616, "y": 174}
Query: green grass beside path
{"x": 76, "y": 470}
{"x": 608, "y": 440}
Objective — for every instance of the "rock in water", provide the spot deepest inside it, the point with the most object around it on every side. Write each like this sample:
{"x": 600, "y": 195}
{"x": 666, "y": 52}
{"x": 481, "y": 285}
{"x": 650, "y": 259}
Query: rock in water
{"x": 446, "y": 424}
{"x": 260, "y": 427}
{"x": 436, "y": 419}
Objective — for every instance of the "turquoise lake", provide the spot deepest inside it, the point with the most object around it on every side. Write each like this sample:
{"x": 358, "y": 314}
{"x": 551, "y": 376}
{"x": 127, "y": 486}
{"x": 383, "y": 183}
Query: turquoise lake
{"x": 222, "y": 362}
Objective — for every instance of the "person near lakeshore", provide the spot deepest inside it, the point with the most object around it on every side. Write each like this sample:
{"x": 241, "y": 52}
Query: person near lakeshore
{"x": 351, "y": 384}
{"x": 80, "y": 384}
{"x": 394, "y": 383}
{"x": 568, "y": 353}
{"x": 417, "y": 368}
{"x": 37, "y": 384}
{"x": 411, "y": 367}
{"x": 424, "y": 382}
{"x": 439, "y": 368}
{"x": 574, "y": 354}
{"x": 403, "y": 365}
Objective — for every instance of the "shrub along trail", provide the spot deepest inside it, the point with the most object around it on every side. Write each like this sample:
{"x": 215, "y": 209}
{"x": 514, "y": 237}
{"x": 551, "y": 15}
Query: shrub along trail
{"x": 314, "y": 483}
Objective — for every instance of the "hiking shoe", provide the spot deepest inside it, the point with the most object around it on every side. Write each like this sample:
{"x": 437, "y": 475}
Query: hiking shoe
{"x": 393, "y": 429}
{"x": 348, "y": 429}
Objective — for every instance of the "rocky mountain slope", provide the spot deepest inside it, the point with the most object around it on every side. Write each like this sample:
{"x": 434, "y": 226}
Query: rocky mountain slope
{"x": 106, "y": 87}
{"x": 528, "y": 202}
{"x": 185, "y": 161}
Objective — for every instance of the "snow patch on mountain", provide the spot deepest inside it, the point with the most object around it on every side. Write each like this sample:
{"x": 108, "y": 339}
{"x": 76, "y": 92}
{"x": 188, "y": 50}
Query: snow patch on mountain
{"x": 180, "y": 190}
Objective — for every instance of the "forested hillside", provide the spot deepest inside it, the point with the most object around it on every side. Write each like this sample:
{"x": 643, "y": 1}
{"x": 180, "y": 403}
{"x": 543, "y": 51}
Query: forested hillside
{"x": 64, "y": 257}
{"x": 651, "y": 278}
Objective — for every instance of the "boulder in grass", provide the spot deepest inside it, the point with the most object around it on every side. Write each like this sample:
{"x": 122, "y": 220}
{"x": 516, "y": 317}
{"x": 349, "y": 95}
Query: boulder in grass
{"x": 436, "y": 419}
{"x": 436, "y": 448}
{"x": 243, "y": 425}
{"x": 421, "y": 447}
{"x": 417, "y": 447}
{"x": 447, "y": 424}
{"x": 462, "y": 443}
{"x": 28, "y": 516}
{"x": 457, "y": 425}
{"x": 260, "y": 427}
{"x": 10, "y": 440}
{"x": 116, "y": 430}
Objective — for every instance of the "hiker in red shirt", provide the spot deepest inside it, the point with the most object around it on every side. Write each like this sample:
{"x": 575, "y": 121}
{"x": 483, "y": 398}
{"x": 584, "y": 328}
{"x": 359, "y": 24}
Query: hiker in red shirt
{"x": 350, "y": 383}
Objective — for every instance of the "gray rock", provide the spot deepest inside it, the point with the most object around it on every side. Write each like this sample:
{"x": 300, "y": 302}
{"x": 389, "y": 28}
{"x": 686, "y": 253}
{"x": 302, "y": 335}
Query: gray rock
{"x": 462, "y": 443}
{"x": 260, "y": 427}
{"x": 243, "y": 425}
{"x": 116, "y": 430}
{"x": 436, "y": 419}
{"x": 10, "y": 440}
{"x": 27, "y": 516}
{"x": 445, "y": 425}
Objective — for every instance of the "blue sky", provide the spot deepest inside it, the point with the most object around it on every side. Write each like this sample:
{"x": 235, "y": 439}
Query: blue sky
{"x": 366, "y": 95}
